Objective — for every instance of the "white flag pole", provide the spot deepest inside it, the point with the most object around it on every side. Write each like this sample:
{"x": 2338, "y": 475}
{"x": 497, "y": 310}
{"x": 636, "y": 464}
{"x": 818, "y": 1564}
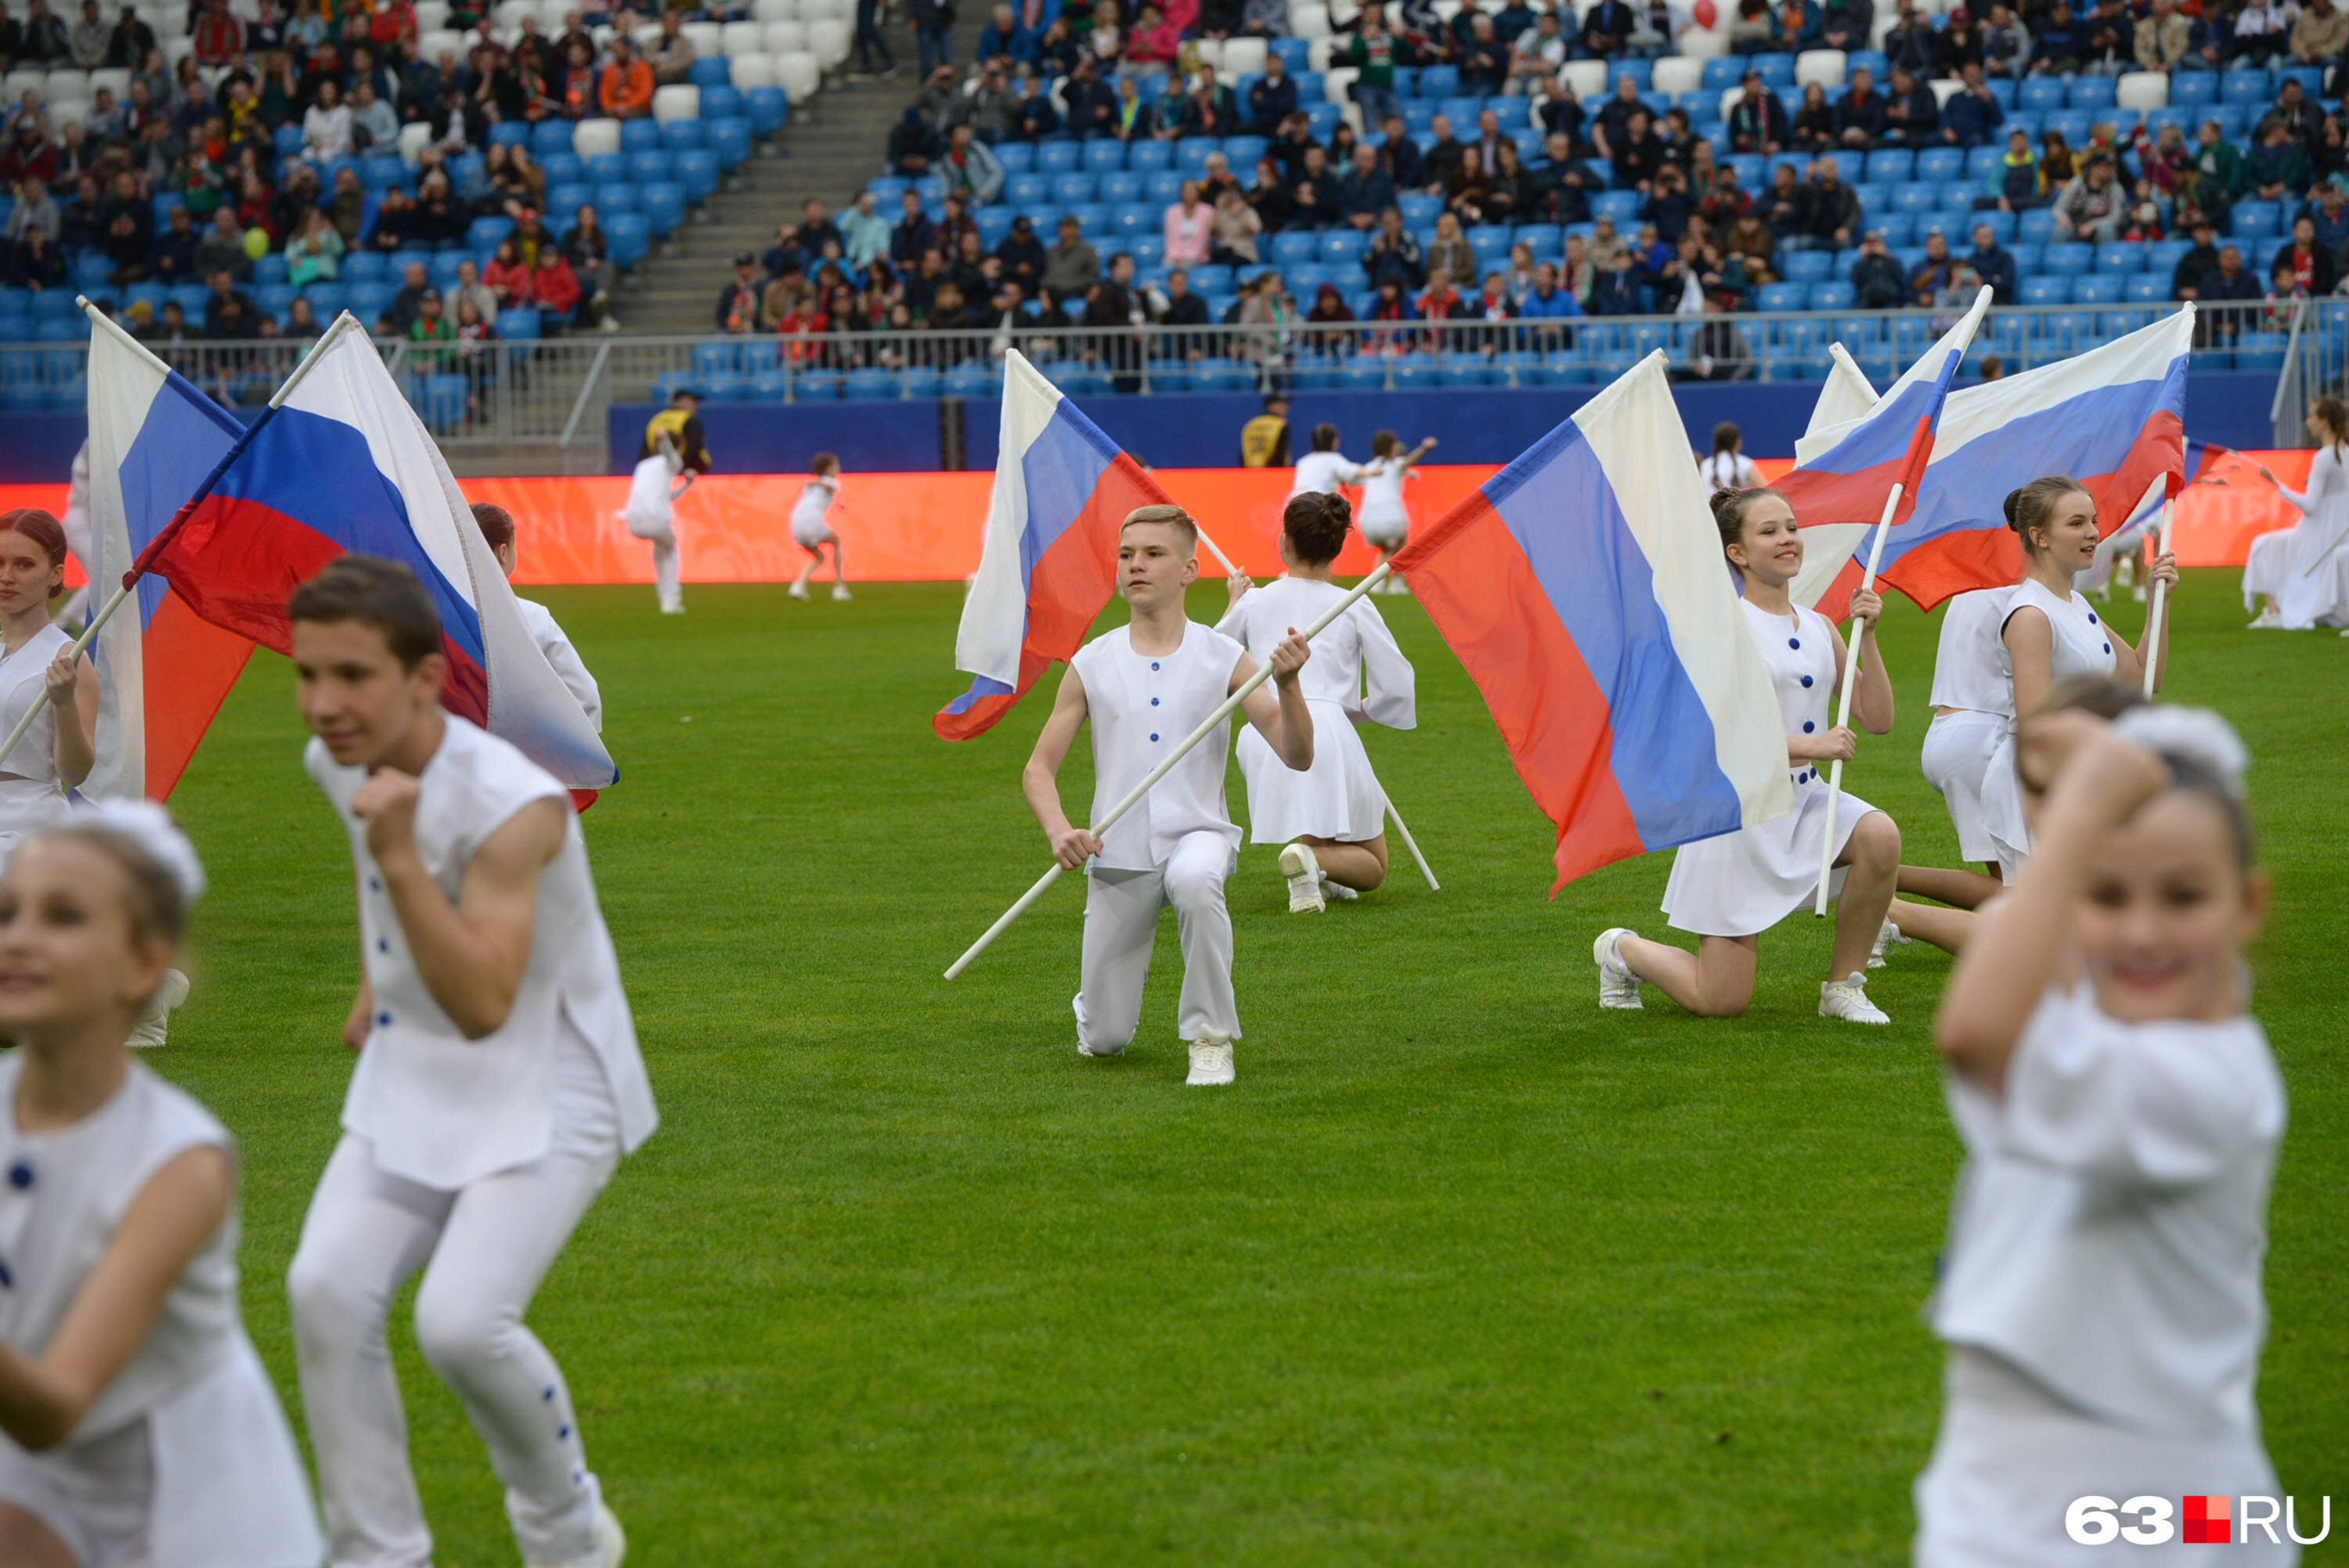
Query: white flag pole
{"x": 1413, "y": 845}
{"x": 1209, "y": 726}
{"x": 1843, "y": 700}
{"x": 2153, "y": 614}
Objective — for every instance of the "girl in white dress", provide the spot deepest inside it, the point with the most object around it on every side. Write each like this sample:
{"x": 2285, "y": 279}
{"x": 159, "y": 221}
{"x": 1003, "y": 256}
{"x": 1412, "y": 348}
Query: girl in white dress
{"x": 2048, "y": 633}
{"x": 2294, "y": 569}
{"x": 812, "y": 531}
{"x": 651, "y": 514}
{"x": 1386, "y": 521}
{"x": 39, "y": 671}
{"x": 1332, "y": 816}
{"x": 1728, "y": 468}
{"x": 1730, "y": 889}
{"x": 497, "y": 526}
{"x": 2121, "y": 1113}
{"x": 138, "y": 1427}
{"x": 1325, "y": 468}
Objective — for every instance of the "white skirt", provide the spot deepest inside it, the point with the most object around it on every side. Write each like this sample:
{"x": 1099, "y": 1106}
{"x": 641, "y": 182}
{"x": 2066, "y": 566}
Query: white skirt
{"x": 2300, "y": 567}
{"x": 1338, "y": 798}
{"x": 807, "y": 536}
{"x": 1386, "y": 530}
{"x": 28, "y": 806}
{"x": 211, "y": 1478}
{"x": 1745, "y": 882}
{"x": 2002, "y": 808}
{"x": 1958, "y": 750}
{"x": 2012, "y": 1457}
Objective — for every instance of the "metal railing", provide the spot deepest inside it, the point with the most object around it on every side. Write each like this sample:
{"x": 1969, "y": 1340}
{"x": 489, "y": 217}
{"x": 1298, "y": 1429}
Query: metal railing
{"x": 542, "y": 405}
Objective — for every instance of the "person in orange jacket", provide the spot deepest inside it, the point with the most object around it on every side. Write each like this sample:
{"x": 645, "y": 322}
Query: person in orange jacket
{"x": 625, "y": 90}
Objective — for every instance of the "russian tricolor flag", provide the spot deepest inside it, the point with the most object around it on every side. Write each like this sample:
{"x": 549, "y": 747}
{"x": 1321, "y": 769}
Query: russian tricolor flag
{"x": 340, "y": 463}
{"x": 1049, "y": 563}
{"x": 2113, "y": 419}
{"x": 163, "y": 671}
{"x": 1583, "y": 588}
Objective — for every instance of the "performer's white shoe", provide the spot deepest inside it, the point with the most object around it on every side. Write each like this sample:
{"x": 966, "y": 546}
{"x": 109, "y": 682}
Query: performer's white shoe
{"x": 1887, "y": 936}
{"x": 1090, "y": 1050}
{"x": 611, "y": 1548}
{"x": 1847, "y": 999}
{"x": 1618, "y": 989}
{"x": 1304, "y": 874}
{"x": 799, "y": 591}
{"x": 155, "y": 1018}
{"x": 840, "y": 594}
{"x": 1211, "y": 1062}
{"x": 2267, "y": 620}
{"x": 1340, "y": 892}
{"x": 672, "y": 609}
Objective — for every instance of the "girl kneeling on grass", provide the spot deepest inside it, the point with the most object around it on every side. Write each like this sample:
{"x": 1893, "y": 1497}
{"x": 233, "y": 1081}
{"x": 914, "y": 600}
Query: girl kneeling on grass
{"x": 1730, "y": 889}
{"x": 2121, "y": 1113}
{"x": 137, "y": 1425}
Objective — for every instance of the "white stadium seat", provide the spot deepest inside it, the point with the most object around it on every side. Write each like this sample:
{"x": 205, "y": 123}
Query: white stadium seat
{"x": 776, "y": 10}
{"x": 1825, "y": 66}
{"x": 115, "y": 79}
{"x": 413, "y": 137}
{"x": 432, "y": 15}
{"x": 1696, "y": 43}
{"x": 709, "y": 38}
{"x": 1945, "y": 88}
{"x": 1309, "y": 19}
{"x": 1677, "y": 74}
{"x": 2143, "y": 90}
{"x": 1338, "y": 85}
{"x": 1319, "y": 52}
{"x": 799, "y": 75}
{"x": 785, "y": 37}
{"x": 591, "y": 136}
{"x": 682, "y": 101}
{"x": 510, "y": 13}
{"x": 826, "y": 10}
{"x": 22, "y": 80}
{"x": 440, "y": 41}
{"x": 754, "y": 71}
{"x": 742, "y": 38}
{"x": 828, "y": 38}
{"x": 1587, "y": 77}
{"x": 1241, "y": 55}
{"x": 1730, "y": 98}
{"x": 647, "y": 37}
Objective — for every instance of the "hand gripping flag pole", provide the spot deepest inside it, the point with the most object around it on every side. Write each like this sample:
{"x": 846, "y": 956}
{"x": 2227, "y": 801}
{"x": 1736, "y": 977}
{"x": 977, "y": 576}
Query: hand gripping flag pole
{"x": 1207, "y": 727}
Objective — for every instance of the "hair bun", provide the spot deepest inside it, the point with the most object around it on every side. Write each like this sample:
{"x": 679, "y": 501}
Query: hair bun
{"x": 150, "y": 827}
{"x": 2190, "y": 735}
{"x": 2013, "y": 498}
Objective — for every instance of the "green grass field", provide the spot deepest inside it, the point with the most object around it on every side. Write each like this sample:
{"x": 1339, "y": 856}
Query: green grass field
{"x": 1463, "y": 1271}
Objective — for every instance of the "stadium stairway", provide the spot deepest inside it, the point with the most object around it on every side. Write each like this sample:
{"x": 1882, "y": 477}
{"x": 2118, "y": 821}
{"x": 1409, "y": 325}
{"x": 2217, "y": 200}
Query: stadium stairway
{"x": 828, "y": 151}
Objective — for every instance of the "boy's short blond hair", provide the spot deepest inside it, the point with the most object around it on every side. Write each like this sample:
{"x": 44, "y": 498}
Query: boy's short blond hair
{"x": 1172, "y": 516}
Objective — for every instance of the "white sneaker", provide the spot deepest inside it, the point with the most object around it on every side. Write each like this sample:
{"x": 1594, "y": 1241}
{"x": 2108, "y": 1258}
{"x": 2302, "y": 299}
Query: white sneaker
{"x": 155, "y": 1019}
{"x": 672, "y": 609}
{"x": 2137, "y": 594}
{"x": 1847, "y": 999}
{"x": 1304, "y": 874}
{"x": 1887, "y": 936}
{"x": 2267, "y": 620}
{"x": 1089, "y": 1050}
{"x": 800, "y": 593}
{"x": 611, "y": 1548}
{"x": 840, "y": 593}
{"x": 1211, "y": 1062}
{"x": 1341, "y": 893}
{"x": 1618, "y": 989}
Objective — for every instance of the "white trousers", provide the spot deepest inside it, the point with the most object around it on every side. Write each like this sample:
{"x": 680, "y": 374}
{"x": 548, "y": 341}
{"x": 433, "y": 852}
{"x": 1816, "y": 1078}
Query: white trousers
{"x": 1122, "y": 926}
{"x": 483, "y": 1249}
{"x": 664, "y": 574}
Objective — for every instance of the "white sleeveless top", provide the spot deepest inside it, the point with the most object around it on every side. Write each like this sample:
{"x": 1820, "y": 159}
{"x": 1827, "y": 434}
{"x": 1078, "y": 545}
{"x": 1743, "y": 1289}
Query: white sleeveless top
{"x": 1325, "y": 471}
{"x": 1800, "y": 653}
{"x": 816, "y": 499}
{"x": 1728, "y": 471}
{"x": 1971, "y": 669}
{"x": 443, "y": 1110}
{"x": 24, "y": 681}
{"x": 63, "y": 1194}
{"x": 1356, "y": 664}
{"x": 1383, "y": 482}
{"x": 1141, "y": 707}
{"x": 2083, "y": 644}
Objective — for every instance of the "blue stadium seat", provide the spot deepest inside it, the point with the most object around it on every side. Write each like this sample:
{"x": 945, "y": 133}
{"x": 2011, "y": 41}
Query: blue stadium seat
{"x": 608, "y": 168}
{"x": 1341, "y": 247}
{"x": 1101, "y": 155}
{"x": 563, "y": 201}
{"x": 2090, "y": 92}
{"x": 730, "y": 138}
{"x": 721, "y": 103}
{"x": 770, "y": 108}
{"x": 1942, "y": 164}
{"x": 645, "y": 166}
{"x": 382, "y": 171}
{"x": 1782, "y": 296}
{"x": 1243, "y": 152}
{"x": 2244, "y": 87}
{"x": 638, "y": 136}
{"x": 2193, "y": 88}
{"x": 631, "y": 236}
{"x": 2097, "y": 288}
{"x": 1640, "y": 71}
{"x": 2044, "y": 290}
{"x": 2069, "y": 260}
{"x": 696, "y": 171}
{"x": 519, "y": 326}
{"x": 1296, "y": 54}
{"x": 1164, "y": 186}
{"x": 679, "y": 135}
{"x": 2255, "y": 220}
{"x": 1132, "y": 220}
{"x": 2146, "y": 286}
{"x": 1148, "y": 156}
{"x": 1420, "y": 210}
{"x": 1068, "y": 188}
{"x": 365, "y": 301}
{"x": 1120, "y": 190}
{"x": 2163, "y": 255}
{"x": 2035, "y": 227}
{"x": 712, "y": 71}
{"x": 1891, "y": 164}
{"x": 1192, "y": 154}
{"x": 663, "y": 204}
{"x": 1808, "y": 267}
{"x": 1021, "y": 191}
{"x": 1058, "y": 157}
{"x": 1438, "y": 82}
{"x": 2122, "y": 257}
{"x": 1094, "y": 221}
{"x": 619, "y": 197}
{"x": 1830, "y": 295}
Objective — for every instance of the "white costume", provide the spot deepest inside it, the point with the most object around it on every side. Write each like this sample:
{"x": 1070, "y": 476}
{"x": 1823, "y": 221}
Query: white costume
{"x": 2301, "y": 565}
{"x": 1328, "y": 473}
{"x": 809, "y": 528}
{"x": 471, "y": 1159}
{"x": 1745, "y": 882}
{"x": 540, "y": 622}
{"x": 1728, "y": 471}
{"x": 30, "y": 797}
{"x": 1973, "y": 706}
{"x": 1338, "y": 796}
{"x": 651, "y": 514}
{"x": 2082, "y": 646}
{"x": 1175, "y": 847}
{"x": 185, "y": 1458}
{"x": 1384, "y": 519}
{"x": 2101, "y": 1291}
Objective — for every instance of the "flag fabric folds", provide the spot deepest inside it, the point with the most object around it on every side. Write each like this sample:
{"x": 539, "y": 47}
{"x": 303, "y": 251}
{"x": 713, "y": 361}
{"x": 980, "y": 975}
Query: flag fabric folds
{"x": 2113, "y": 419}
{"x": 163, "y": 671}
{"x": 1049, "y": 562}
{"x": 344, "y": 465}
{"x": 1583, "y": 588}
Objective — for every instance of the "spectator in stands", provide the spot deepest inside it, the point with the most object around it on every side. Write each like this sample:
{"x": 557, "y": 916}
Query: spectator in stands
{"x": 1637, "y": 154}
{"x": 1441, "y": 302}
{"x": 1910, "y": 44}
{"x": 1441, "y": 157}
{"x": 2111, "y": 40}
{"x": 1607, "y": 29}
{"x": 172, "y": 257}
{"x": 1272, "y": 97}
{"x": 469, "y": 289}
{"x": 2317, "y": 38}
{"x": 2185, "y": 278}
{"x": 1534, "y": 56}
{"x": 737, "y": 301}
{"x": 1753, "y": 247}
{"x": 1860, "y": 117}
{"x": 35, "y": 209}
{"x": 1393, "y": 253}
{"x": 2063, "y": 42}
{"x": 933, "y": 23}
{"x": 1619, "y": 290}
{"x": 1668, "y": 205}
{"x": 2312, "y": 267}
{"x": 1758, "y": 122}
{"x": 219, "y": 36}
{"x": 624, "y": 88}
{"x": 440, "y": 220}
{"x": 2260, "y": 30}
{"x": 1375, "y": 53}
{"x": 554, "y": 288}
{"x": 1847, "y": 25}
{"x": 1313, "y": 194}
{"x": 2300, "y": 117}
{"x": 970, "y": 171}
{"x": 863, "y": 232}
{"x": 1815, "y": 121}
{"x": 1561, "y": 186}
{"x": 35, "y": 263}
{"x": 224, "y": 295}
{"x": 2276, "y": 169}
{"x": 2015, "y": 184}
{"x": 129, "y": 41}
{"x": 1484, "y": 60}
{"x": 326, "y": 127}
{"x": 2090, "y": 209}
{"x": 1993, "y": 264}
{"x": 672, "y": 52}
{"x": 1449, "y": 253}
{"x": 374, "y": 126}
{"x": 1265, "y": 18}
{"x": 1831, "y": 214}
{"x": 914, "y": 144}
{"x": 2329, "y": 214}
{"x": 1875, "y": 279}
{"x": 1005, "y": 38}
{"x": 314, "y": 254}
{"x": 1750, "y": 26}
{"x": 914, "y": 232}
{"x": 1657, "y": 25}
{"x": 2164, "y": 41}
{"x": 1912, "y": 114}
{"x": 2005, "y": 44}
{"x": 1973, "y": 113}
{"x": 1189, "y": 228}
{"x": 508, "y": 281}
{"x": 2229, "y": 282}
{"x": 1023, "y": 257}
{"x": 221, "y": 251}
{"x": 1717, "y": 351}
{"x": 1931, "y": 275}
{"x": 1071, "y": 266}
{"x": 89, "y": 41}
